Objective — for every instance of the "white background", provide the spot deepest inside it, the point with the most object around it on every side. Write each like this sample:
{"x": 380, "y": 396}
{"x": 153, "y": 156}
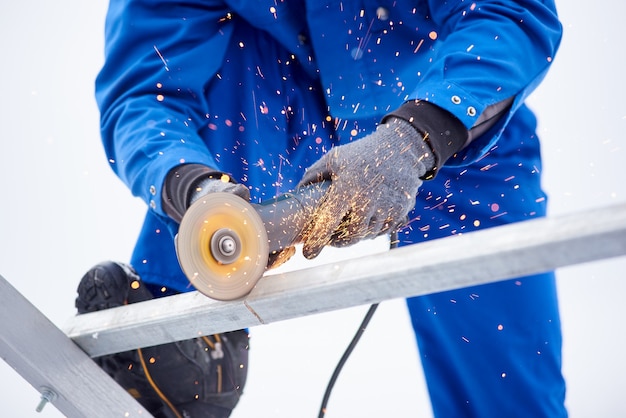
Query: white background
{"x": 63, "y": 210}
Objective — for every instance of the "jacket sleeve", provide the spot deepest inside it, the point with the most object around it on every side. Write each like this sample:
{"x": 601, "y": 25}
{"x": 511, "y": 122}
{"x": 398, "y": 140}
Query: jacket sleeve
{"x": 158, "y": 57}
{"x": 488, "y": 56}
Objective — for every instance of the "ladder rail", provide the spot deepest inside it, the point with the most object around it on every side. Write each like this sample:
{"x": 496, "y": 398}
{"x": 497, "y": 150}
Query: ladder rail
{"x": 474, "y": 258}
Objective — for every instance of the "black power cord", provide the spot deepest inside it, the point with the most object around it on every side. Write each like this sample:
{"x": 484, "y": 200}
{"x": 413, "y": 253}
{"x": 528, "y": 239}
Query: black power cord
{"x": 366, "y": 320}
{"x": 346, "y": 354}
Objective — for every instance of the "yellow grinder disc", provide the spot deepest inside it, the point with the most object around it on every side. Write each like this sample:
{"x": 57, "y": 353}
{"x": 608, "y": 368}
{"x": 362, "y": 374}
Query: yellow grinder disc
{"x": 222, "y": 246}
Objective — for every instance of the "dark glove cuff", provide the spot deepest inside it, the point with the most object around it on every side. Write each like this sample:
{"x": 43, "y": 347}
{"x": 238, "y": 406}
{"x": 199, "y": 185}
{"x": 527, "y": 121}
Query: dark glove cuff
{"x": 179, "y": 186}
{"x": 442, "y": 131}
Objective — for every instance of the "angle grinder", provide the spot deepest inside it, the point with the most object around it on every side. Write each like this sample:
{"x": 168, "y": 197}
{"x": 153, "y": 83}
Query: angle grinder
{"x": 225, "y": 244}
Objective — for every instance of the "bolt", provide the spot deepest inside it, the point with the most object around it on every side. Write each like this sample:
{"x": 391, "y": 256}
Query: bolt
{"x": 47, "y": 395}
{"x": 228, "y": 245}
{"x": 225, "y": 246}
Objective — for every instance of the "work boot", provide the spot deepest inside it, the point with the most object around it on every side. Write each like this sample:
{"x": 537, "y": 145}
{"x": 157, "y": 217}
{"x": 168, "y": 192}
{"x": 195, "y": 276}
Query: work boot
{"x": 108, "y": 285}
{"x": 197, "y": 378}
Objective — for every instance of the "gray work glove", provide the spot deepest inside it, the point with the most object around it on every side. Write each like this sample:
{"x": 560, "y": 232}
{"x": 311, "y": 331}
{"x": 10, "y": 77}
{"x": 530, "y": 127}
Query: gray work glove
{"x": 210, "y": 185}
{"x": 374, "y": 182}
{"x": 188, "y": 182}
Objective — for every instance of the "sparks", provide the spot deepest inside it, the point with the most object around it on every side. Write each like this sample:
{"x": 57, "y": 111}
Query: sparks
{"x": 161, "y": 56}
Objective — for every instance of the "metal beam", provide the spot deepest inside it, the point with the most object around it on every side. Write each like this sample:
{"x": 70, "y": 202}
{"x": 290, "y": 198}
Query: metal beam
{"x": 469, "y": 259}
{"x": 43, "y": 355}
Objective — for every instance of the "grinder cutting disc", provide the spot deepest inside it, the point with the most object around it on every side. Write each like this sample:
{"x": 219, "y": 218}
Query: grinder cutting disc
{"x": 222, "y": 246}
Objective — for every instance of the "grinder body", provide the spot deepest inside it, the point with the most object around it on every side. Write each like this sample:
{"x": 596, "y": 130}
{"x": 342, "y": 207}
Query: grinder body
{"x": 225, "y": 244}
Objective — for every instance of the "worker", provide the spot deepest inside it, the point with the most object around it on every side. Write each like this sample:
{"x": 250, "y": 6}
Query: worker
{"x": 414, "y": 110}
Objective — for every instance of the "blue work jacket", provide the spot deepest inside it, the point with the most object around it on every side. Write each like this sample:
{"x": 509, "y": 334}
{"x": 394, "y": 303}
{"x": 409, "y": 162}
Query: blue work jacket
{"x": 261, "y": 89}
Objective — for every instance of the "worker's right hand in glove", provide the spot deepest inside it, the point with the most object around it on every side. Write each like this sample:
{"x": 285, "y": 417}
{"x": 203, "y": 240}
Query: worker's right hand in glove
{"x": 221, "y": 185}
{"x": 374, "y": 181}
{"x": 188, "y": 182}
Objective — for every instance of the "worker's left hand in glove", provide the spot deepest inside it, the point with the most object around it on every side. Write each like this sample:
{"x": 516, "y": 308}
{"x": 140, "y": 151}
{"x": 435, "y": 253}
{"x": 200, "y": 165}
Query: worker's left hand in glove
{"x": 374, "y": 181}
